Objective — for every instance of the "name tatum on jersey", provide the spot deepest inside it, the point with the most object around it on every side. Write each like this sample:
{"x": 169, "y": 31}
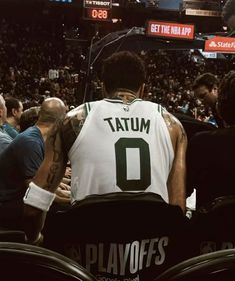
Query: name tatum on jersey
{"x": 128, "y": 124}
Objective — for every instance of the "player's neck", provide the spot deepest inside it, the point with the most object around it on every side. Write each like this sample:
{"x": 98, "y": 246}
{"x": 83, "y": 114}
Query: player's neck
{"x": 125, "y": 94}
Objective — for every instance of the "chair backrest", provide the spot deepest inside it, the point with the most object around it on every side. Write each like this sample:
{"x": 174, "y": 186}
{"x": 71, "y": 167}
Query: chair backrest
{"x": 120, "y": 235}
{"x": 26, "y": 262}
{"x": 8, "y": 235}
{"x": 213, "y": 226}
{"x": 215, "y": 266}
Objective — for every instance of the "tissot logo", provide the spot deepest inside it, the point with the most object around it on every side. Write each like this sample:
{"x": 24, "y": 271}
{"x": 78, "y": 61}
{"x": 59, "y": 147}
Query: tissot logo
{"x": 97, "y": 4}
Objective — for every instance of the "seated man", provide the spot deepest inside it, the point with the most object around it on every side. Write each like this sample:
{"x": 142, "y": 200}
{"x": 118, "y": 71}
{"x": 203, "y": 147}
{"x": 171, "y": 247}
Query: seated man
{"x": 121, "y": 143}
{"x": 211, "y": 154}
{"x": 22, "y": 158}
{"x": 205, "y": 88}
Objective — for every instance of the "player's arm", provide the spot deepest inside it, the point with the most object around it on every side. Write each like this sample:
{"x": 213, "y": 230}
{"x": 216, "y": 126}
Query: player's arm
{"x": 177, "y": 178}
{"x": 44, "y": 185}
{"x": 58, "y": 143}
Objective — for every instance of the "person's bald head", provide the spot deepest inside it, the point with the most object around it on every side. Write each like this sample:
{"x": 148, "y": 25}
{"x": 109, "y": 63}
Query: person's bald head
{"x": 52, "y": 110}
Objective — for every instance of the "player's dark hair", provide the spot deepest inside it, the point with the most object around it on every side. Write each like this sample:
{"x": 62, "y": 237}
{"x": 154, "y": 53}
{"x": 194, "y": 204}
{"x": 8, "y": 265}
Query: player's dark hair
{"x": 206, "y": 79}
{"x": 123, "y": 70}
{"x": 226, "y": 98}
{"x": 228, "y": 10}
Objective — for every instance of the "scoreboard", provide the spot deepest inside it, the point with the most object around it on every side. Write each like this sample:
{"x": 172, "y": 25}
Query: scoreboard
{"x": 97, "y": 10}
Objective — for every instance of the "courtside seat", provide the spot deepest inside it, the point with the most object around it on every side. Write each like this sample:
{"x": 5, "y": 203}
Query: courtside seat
{"x": 26, "y": 262}
{"x": 127, "y": 236}
{"x": 213, "y": 226}
{"x": 215, "y": 266}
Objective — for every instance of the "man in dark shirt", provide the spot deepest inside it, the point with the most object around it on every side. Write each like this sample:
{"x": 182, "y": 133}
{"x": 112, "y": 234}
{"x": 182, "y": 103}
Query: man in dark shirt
{"x": 211, "y": 155}
{"x": 205, "y": 88}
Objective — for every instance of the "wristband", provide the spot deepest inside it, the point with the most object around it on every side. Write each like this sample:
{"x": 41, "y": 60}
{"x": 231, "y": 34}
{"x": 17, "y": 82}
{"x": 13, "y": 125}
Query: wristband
{"x": 38, "y": 197}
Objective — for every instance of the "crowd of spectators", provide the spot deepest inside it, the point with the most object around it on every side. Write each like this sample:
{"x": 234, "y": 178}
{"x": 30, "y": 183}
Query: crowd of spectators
{"x": 171, "y": 77}
{"x": 39, "y": 63}
{"x": 36, "y": 63}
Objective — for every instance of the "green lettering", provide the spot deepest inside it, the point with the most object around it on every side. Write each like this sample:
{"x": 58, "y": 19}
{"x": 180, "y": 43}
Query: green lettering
{"x": 125, "y": 122}
{"x": 110, "y": 124}
{"x": 145, "y": 125}
{"x": 135, "y": 125}
{"x": 119, "y": 125}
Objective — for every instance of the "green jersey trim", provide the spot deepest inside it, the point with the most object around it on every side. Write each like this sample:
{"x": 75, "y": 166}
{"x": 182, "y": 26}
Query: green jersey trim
{"x": 116, "y": 100}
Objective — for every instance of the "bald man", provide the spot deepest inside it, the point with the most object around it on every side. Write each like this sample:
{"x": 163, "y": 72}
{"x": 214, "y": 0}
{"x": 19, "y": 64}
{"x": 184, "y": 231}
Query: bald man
{"x": 22, "y": 158}
{"x": 5, "y": 139}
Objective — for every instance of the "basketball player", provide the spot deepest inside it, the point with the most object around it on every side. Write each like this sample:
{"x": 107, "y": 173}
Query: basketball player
{"x": 118, "y": 144}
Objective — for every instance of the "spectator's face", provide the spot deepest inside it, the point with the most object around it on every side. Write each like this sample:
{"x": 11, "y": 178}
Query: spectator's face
{"x": 3, "y": 111}
{"x": 231, "y": 22}
{"x": 207, "y": 97}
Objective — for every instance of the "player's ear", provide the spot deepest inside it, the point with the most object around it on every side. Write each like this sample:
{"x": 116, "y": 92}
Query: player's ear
{"x": 141, "y": 91}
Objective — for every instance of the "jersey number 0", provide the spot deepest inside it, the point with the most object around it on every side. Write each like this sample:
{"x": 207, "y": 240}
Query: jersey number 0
{"x": 121, "y": 164}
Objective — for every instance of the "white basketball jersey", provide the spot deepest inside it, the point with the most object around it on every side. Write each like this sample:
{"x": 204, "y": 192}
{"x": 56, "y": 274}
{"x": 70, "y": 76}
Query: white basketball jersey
{"x": 121, "y": 147}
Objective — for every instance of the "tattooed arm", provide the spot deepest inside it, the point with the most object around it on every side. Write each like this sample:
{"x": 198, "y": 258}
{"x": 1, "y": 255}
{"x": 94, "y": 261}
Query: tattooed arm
{"x": 59, "y": 141}
{"x": 177, "y": 177}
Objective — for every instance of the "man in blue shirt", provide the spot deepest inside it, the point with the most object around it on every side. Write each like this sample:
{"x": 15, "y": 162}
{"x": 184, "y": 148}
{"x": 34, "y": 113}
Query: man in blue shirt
{"x": 22, "y": 158}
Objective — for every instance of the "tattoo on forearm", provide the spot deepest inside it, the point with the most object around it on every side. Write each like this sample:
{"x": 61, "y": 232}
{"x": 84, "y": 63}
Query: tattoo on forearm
{"x": 54, "y": 145}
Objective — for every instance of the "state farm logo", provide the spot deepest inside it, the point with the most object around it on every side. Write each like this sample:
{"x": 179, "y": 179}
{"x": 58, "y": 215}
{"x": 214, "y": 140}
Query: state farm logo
{"x": 220, "y": 44}
{"x": 212, "y": 44}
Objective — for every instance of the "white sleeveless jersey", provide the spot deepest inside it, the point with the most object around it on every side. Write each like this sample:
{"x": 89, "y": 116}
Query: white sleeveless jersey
{"x": 121, "y": 147}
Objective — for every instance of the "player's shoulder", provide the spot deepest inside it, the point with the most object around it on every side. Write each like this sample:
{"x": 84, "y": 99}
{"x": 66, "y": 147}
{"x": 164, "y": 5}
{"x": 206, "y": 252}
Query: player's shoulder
{"x": 78, "y": 112}
{"x": 175, "y": 128}
{"x": 170, "y": 120}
